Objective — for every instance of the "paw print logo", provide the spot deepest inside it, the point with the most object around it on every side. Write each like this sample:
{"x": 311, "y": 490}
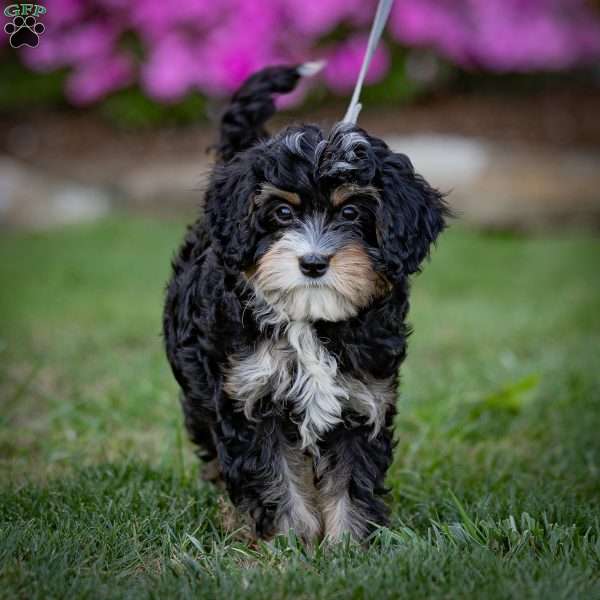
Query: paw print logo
{"x": 24, "y": 31}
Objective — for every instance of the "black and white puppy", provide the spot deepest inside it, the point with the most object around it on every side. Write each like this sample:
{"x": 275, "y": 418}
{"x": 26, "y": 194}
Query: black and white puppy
{"x": 285, "y": 315}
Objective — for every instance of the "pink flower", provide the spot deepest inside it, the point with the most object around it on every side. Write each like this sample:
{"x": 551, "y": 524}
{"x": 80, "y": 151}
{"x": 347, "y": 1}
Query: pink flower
{"x": 168, "y": 73}
{"x": 213, "y": 45}
{"x": 501, "y": 35}
{"x": 316, "y": 17}
{"x": 95, "y": 79}
{"x": 343, "y": 64}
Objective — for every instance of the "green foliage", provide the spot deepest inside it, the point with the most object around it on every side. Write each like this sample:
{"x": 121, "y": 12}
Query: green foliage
{"x": 131, "y": 108}
{"x": 22, "y": 90}
{"x": 397, "y": 87}
{"x": 496, "y": 484}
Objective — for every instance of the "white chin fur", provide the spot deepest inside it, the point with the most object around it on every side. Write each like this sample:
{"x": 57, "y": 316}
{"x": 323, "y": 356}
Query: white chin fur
{"x": 313, "y": 304}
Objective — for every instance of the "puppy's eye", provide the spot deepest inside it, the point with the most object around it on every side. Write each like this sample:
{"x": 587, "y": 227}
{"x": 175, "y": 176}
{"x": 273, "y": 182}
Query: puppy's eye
{"x": 284, "y": 215}
{"x": 349, "y": 213}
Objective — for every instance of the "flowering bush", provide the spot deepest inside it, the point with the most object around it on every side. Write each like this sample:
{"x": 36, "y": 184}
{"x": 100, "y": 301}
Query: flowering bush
{"x": 170, "y": 49}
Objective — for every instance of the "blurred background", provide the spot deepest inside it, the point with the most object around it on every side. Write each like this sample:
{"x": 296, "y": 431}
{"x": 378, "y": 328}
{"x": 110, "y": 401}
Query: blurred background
{"x": 496, "y": 100}
{"x": 104, "y": 130}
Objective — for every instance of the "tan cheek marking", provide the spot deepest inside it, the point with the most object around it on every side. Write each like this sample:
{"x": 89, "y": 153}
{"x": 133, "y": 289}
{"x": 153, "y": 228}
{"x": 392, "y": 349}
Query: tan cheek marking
{"x": 354, "y": 275}
{"x": 266, "y": 264}
{"x": 275, "y": 269}
{"x": 269, "y": 261}
{"x": 350, "y": 257}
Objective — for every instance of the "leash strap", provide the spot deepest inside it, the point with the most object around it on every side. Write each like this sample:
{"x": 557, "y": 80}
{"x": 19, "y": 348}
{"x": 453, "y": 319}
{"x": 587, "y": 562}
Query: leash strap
{"x": 381, "y": 17}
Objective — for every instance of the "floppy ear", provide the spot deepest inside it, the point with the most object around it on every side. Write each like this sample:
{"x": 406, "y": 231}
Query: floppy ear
{"x": 230, "y": 215}
{"x": 410, "y": 217}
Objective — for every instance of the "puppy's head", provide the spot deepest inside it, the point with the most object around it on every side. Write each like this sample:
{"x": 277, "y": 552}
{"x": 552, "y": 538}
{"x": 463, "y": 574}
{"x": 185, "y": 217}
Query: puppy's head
{"x": 319, "y": 225}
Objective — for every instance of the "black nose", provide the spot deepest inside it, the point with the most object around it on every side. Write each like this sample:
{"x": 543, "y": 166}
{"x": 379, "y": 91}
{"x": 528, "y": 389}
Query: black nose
{"x": 314, "y": 265}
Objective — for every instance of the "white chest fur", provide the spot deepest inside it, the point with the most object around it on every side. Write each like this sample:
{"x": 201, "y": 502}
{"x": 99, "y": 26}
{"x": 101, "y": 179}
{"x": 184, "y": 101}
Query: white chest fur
{"x": 296, "y": 370}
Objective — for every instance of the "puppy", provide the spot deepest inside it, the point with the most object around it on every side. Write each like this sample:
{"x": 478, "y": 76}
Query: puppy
{"x": 284, "y": 320}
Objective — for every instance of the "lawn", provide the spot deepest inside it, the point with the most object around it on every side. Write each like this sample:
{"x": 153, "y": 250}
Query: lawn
{"x": 495, "y": 490}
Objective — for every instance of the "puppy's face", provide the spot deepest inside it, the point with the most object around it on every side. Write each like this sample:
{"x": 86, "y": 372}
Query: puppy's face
{"x": 315, "y": 259}
{"x": 321, "y": 226}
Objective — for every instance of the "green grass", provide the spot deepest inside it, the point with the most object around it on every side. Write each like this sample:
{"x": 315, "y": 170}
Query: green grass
{"x": 495, "y": 489}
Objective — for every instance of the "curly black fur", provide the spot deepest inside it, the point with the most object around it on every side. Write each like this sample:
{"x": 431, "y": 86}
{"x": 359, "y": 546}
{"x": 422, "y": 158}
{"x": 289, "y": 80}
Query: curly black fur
{"x": 211, "y": 315}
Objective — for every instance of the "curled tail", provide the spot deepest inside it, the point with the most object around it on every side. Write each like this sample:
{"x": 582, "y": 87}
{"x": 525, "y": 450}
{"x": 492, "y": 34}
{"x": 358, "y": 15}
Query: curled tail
{"x": 253, "y": 104}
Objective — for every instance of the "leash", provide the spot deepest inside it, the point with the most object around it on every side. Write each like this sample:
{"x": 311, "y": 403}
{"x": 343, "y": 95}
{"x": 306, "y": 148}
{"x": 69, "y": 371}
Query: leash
{"x": 381, "y": 17}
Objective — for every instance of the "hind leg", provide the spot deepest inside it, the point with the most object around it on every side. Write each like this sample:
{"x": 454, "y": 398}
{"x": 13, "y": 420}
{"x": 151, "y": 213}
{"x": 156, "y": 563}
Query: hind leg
{"x": 199, "y": 423}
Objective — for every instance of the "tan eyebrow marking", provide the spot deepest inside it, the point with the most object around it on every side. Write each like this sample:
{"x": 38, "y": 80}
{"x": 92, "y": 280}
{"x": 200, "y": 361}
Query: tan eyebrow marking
{"x": 347, "y": 190}
{"x": 268, "y": 190}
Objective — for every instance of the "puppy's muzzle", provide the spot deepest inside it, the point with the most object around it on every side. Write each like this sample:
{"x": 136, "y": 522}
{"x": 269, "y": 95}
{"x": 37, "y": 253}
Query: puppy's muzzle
{"x": 314, "y": 265}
